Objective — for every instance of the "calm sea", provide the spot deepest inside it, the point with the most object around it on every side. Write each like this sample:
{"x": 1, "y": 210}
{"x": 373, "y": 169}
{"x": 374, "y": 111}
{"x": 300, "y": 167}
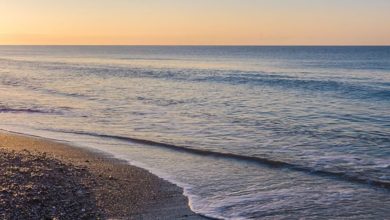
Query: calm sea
{"x": 248, "y": 132}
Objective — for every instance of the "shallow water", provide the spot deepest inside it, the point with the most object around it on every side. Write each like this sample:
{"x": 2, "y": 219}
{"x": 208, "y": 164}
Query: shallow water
{"x": 249, "y": 132}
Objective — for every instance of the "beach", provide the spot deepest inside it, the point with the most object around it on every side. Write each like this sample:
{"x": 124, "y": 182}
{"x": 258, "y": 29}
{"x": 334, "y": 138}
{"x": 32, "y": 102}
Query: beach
{"x": 46, "y": 178}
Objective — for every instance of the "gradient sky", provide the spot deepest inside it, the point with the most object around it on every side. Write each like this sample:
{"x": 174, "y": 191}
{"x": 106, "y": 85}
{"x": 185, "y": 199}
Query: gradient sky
{"x": 195, "y": 22}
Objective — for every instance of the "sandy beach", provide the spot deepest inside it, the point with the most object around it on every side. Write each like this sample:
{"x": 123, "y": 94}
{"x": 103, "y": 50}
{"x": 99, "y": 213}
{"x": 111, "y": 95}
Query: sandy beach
{"x": 41, "y": 178}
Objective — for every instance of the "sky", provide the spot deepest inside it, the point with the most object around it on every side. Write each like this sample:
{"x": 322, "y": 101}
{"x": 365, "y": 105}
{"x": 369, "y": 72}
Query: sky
{"x": 195, "y": 22}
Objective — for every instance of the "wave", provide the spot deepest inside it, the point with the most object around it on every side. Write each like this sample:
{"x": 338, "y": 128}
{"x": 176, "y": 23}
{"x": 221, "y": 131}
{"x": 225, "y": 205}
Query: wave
{"x": 36, "y": 86}
{"x": 32, "y": 109}
{"x": 358, "y": 88}
{"x": 26, "y": 110}
{"x": 271, "y": 163}
{"x": 152, "y": 59}
{"x": 352, "y": 89}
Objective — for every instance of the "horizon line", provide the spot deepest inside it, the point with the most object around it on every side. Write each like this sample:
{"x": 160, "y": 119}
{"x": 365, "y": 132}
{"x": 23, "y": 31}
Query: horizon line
{"x": 210, "y": 45}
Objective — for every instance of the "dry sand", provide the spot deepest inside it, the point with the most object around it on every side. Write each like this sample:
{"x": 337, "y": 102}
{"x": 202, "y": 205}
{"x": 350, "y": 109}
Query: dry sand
{"x": 91, "y": 185}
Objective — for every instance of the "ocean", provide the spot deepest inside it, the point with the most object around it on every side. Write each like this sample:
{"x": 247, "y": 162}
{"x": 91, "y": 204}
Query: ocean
{"x": 247, "y": 132}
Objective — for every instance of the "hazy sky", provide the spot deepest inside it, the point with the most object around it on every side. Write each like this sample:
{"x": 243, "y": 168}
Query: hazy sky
{"x": 160, "y": 22}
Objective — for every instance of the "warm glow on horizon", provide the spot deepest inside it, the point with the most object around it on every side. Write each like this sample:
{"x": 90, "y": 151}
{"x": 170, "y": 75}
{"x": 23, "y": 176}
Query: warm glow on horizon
{"x": 201, "y": 22}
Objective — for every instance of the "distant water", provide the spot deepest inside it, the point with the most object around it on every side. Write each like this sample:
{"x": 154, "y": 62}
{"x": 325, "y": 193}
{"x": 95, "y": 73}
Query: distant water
{"x": 248, "y": 132}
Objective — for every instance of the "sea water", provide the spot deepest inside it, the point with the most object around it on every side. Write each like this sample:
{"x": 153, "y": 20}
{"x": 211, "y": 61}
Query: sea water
{"x": 248, "y": 132}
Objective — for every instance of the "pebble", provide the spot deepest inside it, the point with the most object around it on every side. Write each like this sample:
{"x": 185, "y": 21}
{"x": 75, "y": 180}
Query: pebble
{"x": 39, "y": 187}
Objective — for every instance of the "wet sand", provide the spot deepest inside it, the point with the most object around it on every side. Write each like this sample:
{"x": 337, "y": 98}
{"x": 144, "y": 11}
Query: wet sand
{"x": 56, "y": 180}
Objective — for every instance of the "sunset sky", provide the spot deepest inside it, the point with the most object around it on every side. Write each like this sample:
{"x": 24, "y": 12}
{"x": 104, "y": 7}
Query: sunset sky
{"x": 195, "y": 22}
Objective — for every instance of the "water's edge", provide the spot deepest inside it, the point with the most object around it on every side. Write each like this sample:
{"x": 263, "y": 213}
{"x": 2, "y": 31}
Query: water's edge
{"x": 182, "y": 186}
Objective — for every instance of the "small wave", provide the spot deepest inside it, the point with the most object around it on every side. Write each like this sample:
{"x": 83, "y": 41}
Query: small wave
{"x": 8, "y": 110}
{"x": 4, "y": 109}
{"x": 31, "y": 85}
{"x": 355, "y": 89}
{"x": 351, "y": 89}
{"x": 151, "y": 59}
{"x": 359, "y": 90}
{"x": 258, "y": 160}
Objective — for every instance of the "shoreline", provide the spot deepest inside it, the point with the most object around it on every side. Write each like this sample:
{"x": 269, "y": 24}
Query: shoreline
{"x": 121, "y": 190}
